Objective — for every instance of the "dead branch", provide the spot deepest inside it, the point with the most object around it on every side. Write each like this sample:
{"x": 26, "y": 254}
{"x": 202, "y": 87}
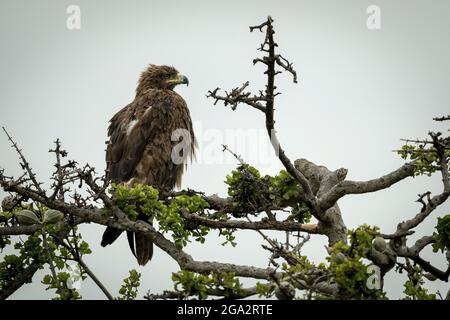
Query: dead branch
{"x": 24, "y": 163}
{"x": 444, "y": 118}
{"x": 347, "y": 187}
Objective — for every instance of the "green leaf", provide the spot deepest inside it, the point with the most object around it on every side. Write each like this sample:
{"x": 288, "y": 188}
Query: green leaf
{"x": 442, "y": 236}
{"x": 27, "y": 217}
{"x": 52, "y": 216}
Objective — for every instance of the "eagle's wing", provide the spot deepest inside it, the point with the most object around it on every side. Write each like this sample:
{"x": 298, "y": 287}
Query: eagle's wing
{"x": 129, "y": 131}
{"x": 185, "y": 122}
{"x": 140, "y": 142}
{"x": 115, "y": 145}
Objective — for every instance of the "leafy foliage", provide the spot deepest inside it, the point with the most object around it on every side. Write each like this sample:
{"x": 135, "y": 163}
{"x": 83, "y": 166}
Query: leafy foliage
{"x": 194, "y": 284}
{"x": 229, "y": 236}
{"x": 347, "y": 263}
{"x": 244, "y": 186}
{"x": 143, "y": 201}
{"x": 59, "y": 284}
{"x": 54, "y": 244}
{"x": 265, "y": 290}
{"x": 414, "y": 289}
{"x": 130, "y": 286}
{"x": 442, "y": 236}
{"x": 250, "y": 191}
{"x": 139, "y": 200}
{"x": 28, "y": 252}
{"x": 171, "y": 219}
{"x": 426, "y": 158}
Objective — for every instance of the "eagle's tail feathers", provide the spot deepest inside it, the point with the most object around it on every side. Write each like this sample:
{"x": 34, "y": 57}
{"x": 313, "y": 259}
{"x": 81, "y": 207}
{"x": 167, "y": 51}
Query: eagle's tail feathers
{"x": 144, "y": 248}
{"x": 130, "y": 237}
{"x": 110, "y": 235}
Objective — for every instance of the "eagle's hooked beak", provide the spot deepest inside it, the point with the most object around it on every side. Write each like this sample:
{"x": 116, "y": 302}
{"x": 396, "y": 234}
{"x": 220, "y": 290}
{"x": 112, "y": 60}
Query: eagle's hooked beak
{"x": 179, "y": 79}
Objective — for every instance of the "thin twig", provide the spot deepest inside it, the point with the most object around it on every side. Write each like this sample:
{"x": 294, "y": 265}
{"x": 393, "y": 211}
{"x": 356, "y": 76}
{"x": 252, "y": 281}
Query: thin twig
{"x": 25, "y": 165}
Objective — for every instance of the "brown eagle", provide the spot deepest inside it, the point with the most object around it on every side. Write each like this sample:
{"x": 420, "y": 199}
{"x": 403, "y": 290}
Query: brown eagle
{"x": 144, "y": 140}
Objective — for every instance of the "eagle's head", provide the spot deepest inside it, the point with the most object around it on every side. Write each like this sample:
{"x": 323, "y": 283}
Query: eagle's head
{"x": 160, "y": 77}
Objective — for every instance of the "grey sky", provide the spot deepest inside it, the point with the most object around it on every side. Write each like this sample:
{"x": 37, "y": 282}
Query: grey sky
{"x": 359, "y": 92}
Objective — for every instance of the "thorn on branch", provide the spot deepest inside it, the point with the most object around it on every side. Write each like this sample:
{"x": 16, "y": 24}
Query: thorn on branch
{"x": 25, "y": 164}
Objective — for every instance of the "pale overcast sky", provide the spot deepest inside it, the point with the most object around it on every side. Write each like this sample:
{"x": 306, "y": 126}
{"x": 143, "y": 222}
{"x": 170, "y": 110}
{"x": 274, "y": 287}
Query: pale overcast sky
{"x": 359, "y": 92}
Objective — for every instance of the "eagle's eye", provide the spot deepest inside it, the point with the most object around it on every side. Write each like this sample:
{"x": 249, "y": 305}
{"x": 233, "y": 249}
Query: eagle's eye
{"x": 167, "y": 75}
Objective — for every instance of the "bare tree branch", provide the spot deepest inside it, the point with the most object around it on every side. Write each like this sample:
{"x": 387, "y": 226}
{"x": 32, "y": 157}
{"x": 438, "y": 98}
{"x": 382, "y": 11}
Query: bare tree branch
{"x": 24, "y": 163}
{"x": 244, "y": 293}
{"x": 94, "y": 278}
{"x": 358, "y": 187}
{"x": 238, "y": 95}
{"x": 18, "y": 230}
{"x": 444, "y": 118}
